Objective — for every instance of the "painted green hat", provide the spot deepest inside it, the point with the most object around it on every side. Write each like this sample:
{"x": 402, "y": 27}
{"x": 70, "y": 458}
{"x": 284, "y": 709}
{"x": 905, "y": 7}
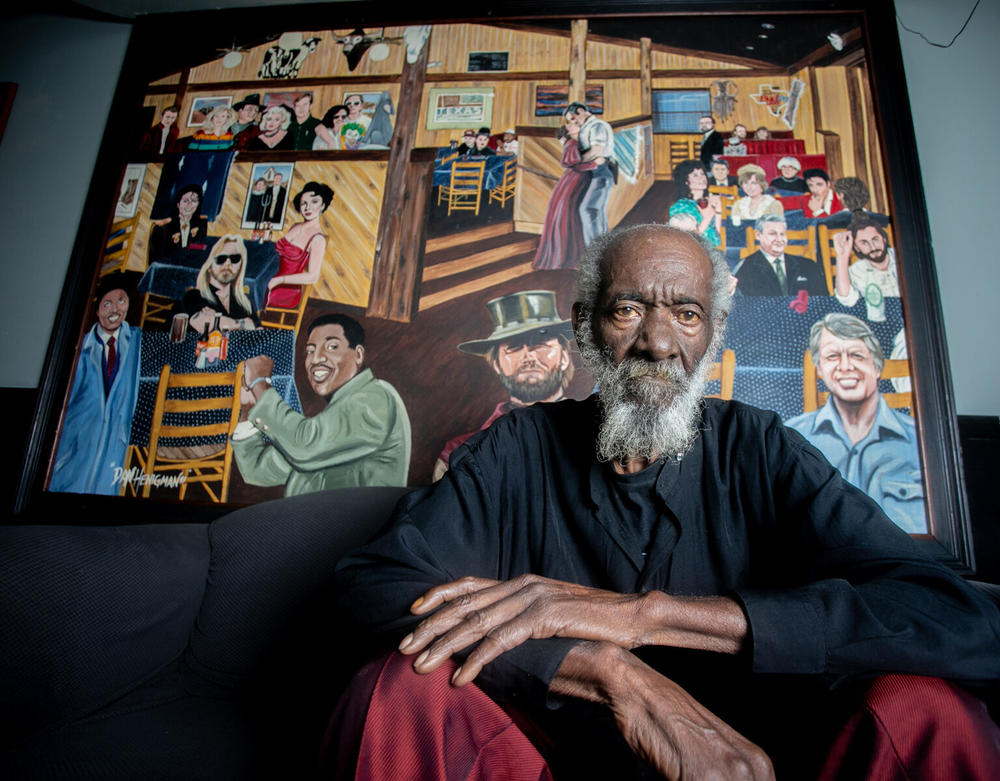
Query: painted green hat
{"x": 525, "y": 312}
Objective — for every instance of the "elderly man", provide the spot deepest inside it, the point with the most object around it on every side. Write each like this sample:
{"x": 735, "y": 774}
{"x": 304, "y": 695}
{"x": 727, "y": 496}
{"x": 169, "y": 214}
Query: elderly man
{"x": 873, "y": 275}
{"x": 873, "y": 446}
{"x": 600, "y": 539}
{"x": 529, "y": 350}
{"x": 218, "y": 292}
{"x": 597, "y": 145}
{"x": 770, "y": 272}
{"x": 362, "y": 436}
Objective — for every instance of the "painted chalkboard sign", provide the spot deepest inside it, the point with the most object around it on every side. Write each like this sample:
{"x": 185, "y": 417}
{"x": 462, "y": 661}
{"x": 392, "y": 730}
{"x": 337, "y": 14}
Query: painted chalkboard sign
{"x": 488, "y": 61}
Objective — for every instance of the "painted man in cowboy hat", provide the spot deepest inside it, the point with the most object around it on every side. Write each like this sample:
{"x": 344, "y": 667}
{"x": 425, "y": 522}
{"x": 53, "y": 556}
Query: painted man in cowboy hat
{"x": 246, "y": 126}
{"x": 529, "y": 350}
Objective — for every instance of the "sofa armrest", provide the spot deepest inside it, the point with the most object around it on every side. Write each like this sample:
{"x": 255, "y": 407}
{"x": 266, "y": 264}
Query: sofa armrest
{"x": 272, "y": 569}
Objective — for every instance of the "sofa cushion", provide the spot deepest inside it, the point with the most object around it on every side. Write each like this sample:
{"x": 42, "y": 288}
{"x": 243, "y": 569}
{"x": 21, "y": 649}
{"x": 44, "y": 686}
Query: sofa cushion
{"x": 86, "y": 614}
{"x": 271, "y": 567}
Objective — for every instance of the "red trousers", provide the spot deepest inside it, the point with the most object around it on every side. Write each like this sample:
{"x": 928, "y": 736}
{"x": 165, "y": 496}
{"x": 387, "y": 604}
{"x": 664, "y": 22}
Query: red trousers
{"x": 395, "y": 724}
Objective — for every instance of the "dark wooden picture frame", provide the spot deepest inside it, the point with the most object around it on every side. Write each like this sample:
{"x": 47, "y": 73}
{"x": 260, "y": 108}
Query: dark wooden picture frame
{"x": 162, "y": 45}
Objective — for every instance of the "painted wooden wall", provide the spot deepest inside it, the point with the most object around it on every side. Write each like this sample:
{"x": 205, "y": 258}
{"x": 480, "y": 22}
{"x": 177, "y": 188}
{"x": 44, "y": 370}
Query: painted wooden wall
{"x": 349, "y": 222}
{"x": 360, "y": 186}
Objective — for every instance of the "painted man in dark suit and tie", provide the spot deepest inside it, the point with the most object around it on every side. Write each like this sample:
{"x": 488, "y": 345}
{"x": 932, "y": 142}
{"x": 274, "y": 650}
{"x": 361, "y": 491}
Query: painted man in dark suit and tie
{"x": 711, "y": 141}
{"x": 770, "y": 272}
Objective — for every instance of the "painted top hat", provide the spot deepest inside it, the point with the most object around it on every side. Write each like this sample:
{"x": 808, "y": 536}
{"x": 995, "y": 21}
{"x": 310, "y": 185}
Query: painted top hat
{"x": 520, "y": 314}
{"x": 249, "y": 100}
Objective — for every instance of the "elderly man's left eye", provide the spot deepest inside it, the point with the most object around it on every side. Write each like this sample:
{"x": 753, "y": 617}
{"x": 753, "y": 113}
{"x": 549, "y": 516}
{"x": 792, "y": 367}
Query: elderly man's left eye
{"x": 688, "y": 316}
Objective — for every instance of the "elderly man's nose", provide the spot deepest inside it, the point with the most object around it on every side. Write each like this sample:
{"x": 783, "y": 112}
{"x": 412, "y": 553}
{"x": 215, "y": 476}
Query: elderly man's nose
{"x": 657, "y": 338}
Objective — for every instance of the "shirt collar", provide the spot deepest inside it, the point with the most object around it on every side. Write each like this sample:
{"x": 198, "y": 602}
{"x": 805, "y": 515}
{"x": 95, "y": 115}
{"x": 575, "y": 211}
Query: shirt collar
{"x": 885, "y": 420}
{"x": 103, "y": 335}
{"x": 363, "y": 377}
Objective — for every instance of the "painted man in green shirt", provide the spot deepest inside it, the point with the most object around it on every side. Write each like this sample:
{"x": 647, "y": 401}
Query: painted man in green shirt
{"x": 362, "y": 437}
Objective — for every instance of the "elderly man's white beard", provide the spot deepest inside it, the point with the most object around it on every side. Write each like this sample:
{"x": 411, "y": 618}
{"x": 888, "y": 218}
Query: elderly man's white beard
{"x": 641, "y": 417}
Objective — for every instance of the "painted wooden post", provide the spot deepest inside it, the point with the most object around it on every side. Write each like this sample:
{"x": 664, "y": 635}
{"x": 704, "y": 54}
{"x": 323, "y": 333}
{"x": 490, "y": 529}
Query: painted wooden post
{"x": 401, "y": 227}
{"x": 578, "y": 61}
{"x": 646, "y": 76}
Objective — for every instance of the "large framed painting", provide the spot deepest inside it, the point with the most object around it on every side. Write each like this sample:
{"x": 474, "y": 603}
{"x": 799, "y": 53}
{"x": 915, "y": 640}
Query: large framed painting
{"x": 320, "y": 251}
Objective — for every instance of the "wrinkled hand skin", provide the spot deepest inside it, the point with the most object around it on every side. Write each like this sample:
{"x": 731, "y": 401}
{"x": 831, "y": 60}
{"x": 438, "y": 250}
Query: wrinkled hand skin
{"x": 503, "y": 614}
{"x": 659, "y": 720}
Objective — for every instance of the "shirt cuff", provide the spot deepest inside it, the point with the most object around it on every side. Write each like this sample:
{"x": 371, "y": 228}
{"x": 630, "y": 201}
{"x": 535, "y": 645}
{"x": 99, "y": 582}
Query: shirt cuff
{"x": 850, "y": 299}
{"x": 786, "y": 632}
{"x": 244, "y": 430}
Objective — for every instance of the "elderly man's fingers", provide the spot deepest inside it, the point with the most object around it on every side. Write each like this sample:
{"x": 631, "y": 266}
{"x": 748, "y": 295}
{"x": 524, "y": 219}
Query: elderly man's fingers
{"x": 506, "y": 618}
{"x": 478, "y": 603}
{"x": 495, "y": 643}
{"x": 446, "y": 592}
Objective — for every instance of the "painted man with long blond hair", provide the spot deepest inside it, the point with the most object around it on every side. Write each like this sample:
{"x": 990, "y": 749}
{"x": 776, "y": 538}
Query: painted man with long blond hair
{"x": 219, "y": 289}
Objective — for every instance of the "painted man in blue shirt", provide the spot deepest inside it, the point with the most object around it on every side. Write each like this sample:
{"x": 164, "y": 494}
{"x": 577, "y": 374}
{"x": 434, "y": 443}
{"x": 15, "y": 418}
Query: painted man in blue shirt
{"x": 873, "y": 446}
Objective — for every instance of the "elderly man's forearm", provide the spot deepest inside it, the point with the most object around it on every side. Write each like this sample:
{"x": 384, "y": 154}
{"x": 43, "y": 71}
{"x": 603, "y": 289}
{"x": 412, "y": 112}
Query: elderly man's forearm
{"x": 703, "y": 623}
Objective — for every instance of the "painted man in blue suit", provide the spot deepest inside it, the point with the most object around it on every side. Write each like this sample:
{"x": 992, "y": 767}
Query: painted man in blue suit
{"x": 98, "y": 418}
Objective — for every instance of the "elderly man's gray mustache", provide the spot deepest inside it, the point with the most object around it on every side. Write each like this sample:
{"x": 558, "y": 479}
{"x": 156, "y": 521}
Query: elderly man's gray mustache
{"x": 635, "y": 368}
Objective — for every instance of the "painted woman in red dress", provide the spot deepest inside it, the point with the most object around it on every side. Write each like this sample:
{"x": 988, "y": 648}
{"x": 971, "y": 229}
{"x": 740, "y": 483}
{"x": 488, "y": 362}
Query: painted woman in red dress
{"x": 562, "y": 244}
{"x": 301, "y": 250}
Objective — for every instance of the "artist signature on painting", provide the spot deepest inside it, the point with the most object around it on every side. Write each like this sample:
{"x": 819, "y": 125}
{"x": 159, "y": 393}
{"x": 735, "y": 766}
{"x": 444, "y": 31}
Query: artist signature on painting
{"x": 135, "y": 476}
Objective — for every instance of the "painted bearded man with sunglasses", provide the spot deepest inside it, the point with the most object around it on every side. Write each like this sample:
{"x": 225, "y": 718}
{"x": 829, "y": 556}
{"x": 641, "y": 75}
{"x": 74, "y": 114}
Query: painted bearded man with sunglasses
{"x": 219, "y": 290}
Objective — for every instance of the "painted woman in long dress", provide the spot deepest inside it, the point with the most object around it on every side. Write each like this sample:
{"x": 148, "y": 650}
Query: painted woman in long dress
{"x": 301, "y": 250}
{"x": 561, "y": 245}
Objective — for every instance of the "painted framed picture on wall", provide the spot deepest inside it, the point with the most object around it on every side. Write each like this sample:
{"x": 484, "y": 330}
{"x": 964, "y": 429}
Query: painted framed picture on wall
{"x": 459, "y": 108}
{"x": 453, "y": 216}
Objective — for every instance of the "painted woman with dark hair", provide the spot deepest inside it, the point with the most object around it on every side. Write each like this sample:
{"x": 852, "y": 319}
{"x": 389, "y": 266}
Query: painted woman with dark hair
{"x": 301, "y": 250}
{"x": 328, "y": 130}
{"x": 693, "y": 199}
{"x": 185, "y": 226}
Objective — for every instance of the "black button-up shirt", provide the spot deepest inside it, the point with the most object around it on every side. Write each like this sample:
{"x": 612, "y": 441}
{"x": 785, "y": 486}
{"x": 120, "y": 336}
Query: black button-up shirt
{"x": 830, "y": 586}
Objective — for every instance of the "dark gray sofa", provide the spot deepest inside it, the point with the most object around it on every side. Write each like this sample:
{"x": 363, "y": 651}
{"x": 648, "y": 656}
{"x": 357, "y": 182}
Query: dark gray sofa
{"x": 178, "y": 651}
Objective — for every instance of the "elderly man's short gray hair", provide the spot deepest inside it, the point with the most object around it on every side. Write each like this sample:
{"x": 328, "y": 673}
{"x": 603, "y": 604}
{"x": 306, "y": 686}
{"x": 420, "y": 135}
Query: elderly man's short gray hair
{"x": 762, "y": 221}
{"x": 588, "y": 286}
{"x": 846, "y": 327}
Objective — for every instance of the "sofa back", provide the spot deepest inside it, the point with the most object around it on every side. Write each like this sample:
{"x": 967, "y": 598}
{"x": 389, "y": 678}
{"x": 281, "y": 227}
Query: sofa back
{"x": 89, "y": 614}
